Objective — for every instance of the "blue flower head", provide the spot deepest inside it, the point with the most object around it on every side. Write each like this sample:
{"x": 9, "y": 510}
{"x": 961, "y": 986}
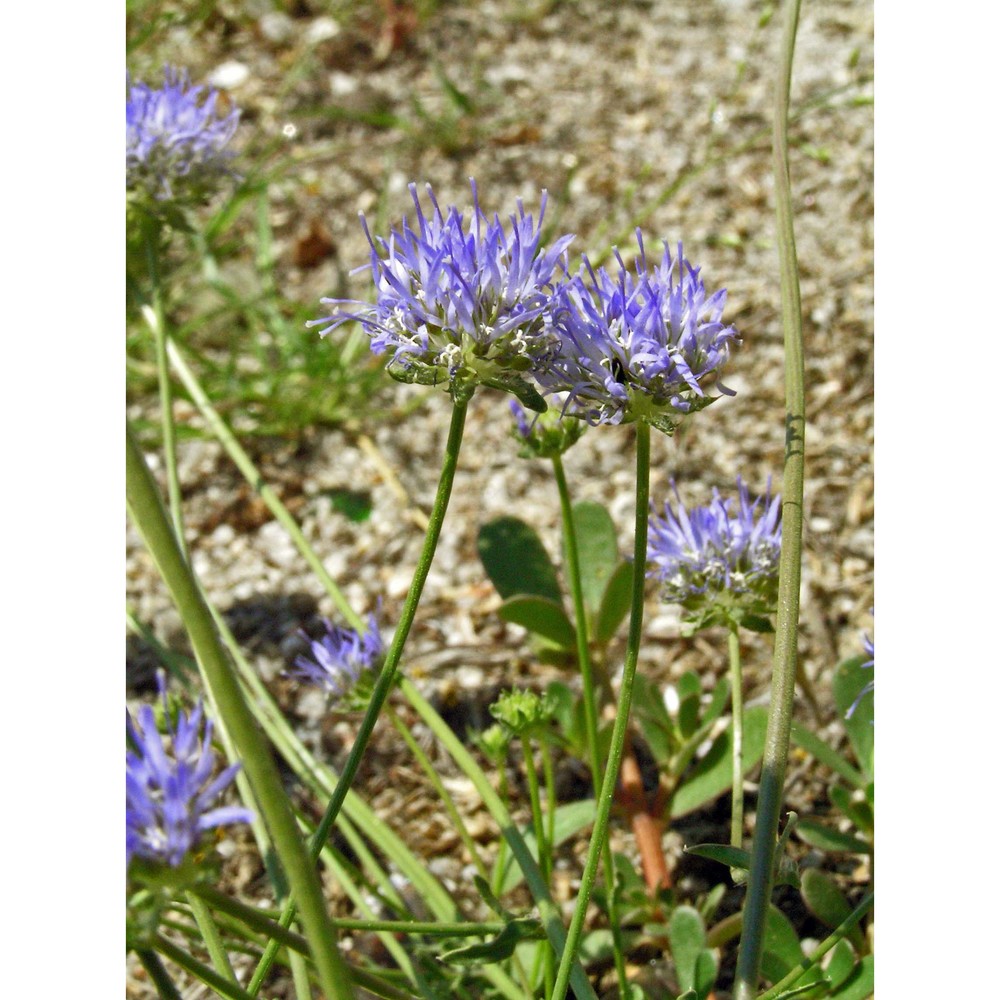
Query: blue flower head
{"x": 171, "y": 787}
{"x": 720, "y": 564}
{"x": 175, "y": 139}
{"x": 339, "y": 658}
{"x": 640, "y": 346}
{"x": 460, "y": 305}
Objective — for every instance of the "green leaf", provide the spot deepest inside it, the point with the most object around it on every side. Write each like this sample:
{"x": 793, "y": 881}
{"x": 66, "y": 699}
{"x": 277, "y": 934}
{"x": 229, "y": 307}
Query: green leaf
{"x": 354, "y": 505}
{"x": 849, "y": 680}
{"x": 689, "y": 696}
{"x": 828, "y": 839}
{"x": 570, "y": 819}
{"x": 827, "y": 903}
{"x": 597, "y": 548}
{"x": 687, "y": 939}
{"x": 713, "y": 774}
{"x": 811, "y": 743}
{"x": 541, "y": 616}
{"x": 738, "y": 860}
{"x": 858, "y": 811}
{"x": 706, "y": 968}
{"x": 498, "y": 948}
{"x": 782, "y": 951}
{"x": 653, "y": 719}
{"x": 840, "y": 964}
{"x": 615, "y": 603}
{"x": 860, "y": 984}
{"x": 516, "y": 561}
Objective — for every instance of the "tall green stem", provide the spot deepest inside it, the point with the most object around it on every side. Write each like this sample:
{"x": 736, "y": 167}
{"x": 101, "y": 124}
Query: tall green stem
{"x": 783, "y": 673}
{"x": 590, "y": 699}
{"x": 156, "y": 320}
{"x": 624, "y": 706}
{"x": 146, "y": 509}
{"x": 387, "y": 676}
{"x": 736, "y": 682}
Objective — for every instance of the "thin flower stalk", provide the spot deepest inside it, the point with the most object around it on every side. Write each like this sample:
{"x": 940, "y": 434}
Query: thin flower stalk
{"x": 618, "y": 735}
{"x": 779, "y": 720}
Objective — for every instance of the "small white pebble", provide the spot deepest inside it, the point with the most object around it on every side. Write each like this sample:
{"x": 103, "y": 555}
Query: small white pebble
{"x": 229, "y": 75}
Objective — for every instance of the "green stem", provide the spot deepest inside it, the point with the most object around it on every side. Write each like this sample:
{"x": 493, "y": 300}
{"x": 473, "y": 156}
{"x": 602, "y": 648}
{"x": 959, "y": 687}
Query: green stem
{"x": 146, "y": 509}
{"x": 838, "y": 934}
{"x": 590, "y": 699}
{"x": 387, "y": 676}
{"x": 200, "y": 971}
{"x": 544, "y": 846}
{"x": 156, "y": 320}
{"x": 736, "y": 680}
{"x": 624, "y": 706}
{"x": 211, "y": 936}
{"x": 547, "y": 909}
{"x": 783, "y": 672}
{"x": 158, "y": 974}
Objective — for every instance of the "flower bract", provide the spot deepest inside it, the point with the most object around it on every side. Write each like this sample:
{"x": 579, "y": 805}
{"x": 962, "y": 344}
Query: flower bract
{"x": 720, "y": 559}
{"x": 176, "y": 139}
{"x": 171, "y": 788}
{"x": 640, "y": 345}
{"x": 460, "y": 303}
{"x": 542, "y": 435}
{"x": 339, "y": 657}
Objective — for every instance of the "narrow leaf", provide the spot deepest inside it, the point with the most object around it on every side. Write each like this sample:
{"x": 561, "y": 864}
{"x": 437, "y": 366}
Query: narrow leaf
{"x": 828, "y": 839}
{"x": 713, "y": 774}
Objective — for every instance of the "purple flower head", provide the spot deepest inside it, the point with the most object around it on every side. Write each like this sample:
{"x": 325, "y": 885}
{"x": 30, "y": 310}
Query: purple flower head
{"x": 640, "y": 346}
{"x": 717, "y": 557}
{"x": 339, "y": 657}
{"x": 460, "y": 305}
{"x": 542, "y": 435}
{"x": 175, "y": 139}
{"x": 170, "y": 791}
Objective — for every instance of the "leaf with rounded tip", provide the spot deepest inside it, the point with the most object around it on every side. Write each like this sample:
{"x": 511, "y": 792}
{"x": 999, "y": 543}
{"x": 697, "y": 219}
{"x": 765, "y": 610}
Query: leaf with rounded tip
{"x": 597, "y": 549}
{"x": 541, "y": 616}
{"x": 616, "y": 603}
{"x": 516, "y": 561}
{"x": 827, "y": 903}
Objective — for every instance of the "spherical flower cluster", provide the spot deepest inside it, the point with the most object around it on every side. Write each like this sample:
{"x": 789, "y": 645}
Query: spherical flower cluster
{"x": 640, "y": 346}
{"x": 718, "y": 559}
{"x": 461, "y": 306}
{"x": 175, "y": 139}
{"x": 339, "y": 658}
{"x": 170, "y": 791}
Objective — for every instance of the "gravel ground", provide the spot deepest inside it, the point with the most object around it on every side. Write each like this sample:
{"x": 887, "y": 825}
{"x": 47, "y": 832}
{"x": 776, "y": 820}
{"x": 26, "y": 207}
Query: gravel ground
{"x": 607, "y": 107}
